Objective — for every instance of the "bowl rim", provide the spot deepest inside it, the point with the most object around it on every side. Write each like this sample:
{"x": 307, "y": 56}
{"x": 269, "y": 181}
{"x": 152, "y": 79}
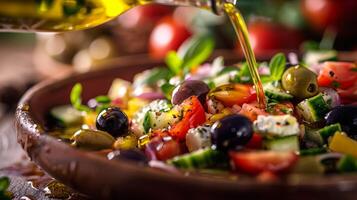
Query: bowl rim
{"x": 32, "y": 138}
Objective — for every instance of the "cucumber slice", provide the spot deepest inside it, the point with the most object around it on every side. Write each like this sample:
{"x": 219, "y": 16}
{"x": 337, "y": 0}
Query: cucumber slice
{"x": 312, "y": 151}
{"x": 347, "y": 164}
{"x": 312, "y": 136}
{"x": 160, "y": 120}
{"x": 276, "y": 93}
{"x": 67, "y": 115}
{"x": 329, "y": 130}
{"x": 289, "y": 143}
{"x": 203, "y": 158}
{"x": 313, "y": 109}
{"x": 308, "y": 165}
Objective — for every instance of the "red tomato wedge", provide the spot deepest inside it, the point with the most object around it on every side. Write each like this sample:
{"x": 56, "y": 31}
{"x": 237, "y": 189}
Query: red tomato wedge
{"x": 256, "y": 142}
{"x": 337, "y": 75}
{"x": 234, "y": 94}
{"x": 252, "y": 111}
{"x": 193, "y": 116}
{"x": 256, "y": 162}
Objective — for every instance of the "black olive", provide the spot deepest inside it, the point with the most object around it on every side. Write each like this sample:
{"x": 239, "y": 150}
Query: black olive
{"x": 190, "y": 88}
{"x": 346, "y": 116}
{"x": 231, "y": 132}
{"x": 114, "y": 121}
{"x": 130, "y": 155}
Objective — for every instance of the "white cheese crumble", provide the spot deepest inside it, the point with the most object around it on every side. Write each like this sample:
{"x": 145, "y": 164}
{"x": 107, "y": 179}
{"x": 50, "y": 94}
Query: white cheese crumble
{"x": 279, "y": 125}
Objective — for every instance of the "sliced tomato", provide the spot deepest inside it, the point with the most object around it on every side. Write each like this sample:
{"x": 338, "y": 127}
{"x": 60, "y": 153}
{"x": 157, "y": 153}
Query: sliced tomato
{"x": 256, "y": 142}
{"x": 256, "y": 162}
{"x": 163, "y": 148}
{"x": 234, "y": 94}
{"x": 193, "y": 116}
{"x": 337, "y": 75}
{"x": 348, "y": 95}
{"x": 282, "y": 108}
{"x": 252, "y": 111}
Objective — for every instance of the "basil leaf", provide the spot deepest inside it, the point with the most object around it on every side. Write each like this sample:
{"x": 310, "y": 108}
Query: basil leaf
{"x": 103, "y": 99}
{"x": 4, "y": 183}
{"x": 195, "y": 51}
{"x": 76, "y": 99}
{"x": 174, "y": 62}
{"x": 154, "y": 75}
{"x": 75, "y": 95}
{"x": 277, "y": 66}
{"x": 147, "y": 122}
{"x": 244, "y": 74}
{"x": 167, "y": 89}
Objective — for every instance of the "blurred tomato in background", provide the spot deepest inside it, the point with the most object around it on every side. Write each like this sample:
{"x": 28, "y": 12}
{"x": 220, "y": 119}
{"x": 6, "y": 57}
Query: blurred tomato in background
{"x": 268, "y": 38}
{"x": 167, "y": 35}
{"x": 339, "y": 15}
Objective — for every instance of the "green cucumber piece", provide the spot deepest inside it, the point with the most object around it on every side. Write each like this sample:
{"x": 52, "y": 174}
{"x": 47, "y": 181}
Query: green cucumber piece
{"x": 329, "y": 131}
{"x": 313, "y": 109}
{"x": 313, "y": 136}
{"x": 289, "y": 143}
{"x": 347, "y": 163}
{"x": 312, "y": 151}
{"x": 276, "y": 93}
{"x": 308, "y": 165}
{"x": 203, "y": 158}
{"x": 66, "y": 115}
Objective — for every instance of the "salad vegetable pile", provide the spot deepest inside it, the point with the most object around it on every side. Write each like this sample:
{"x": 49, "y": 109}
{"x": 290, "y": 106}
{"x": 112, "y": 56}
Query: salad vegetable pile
{"x": 194, "y": 115}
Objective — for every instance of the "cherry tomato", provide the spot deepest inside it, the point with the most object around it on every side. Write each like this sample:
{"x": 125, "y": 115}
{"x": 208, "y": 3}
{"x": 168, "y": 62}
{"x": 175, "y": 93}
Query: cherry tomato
{"x": 256, "y": 162}
{"x": 193, "y": 116}
{"x": 337, "y": 75}
{"x": 167, "y": 35}
{"x": 252, "y": 111}
{"x": 163, "y": 148}
{"x": 348, "y": 95}
{"x": 322, "y": 14}
{"x": 256, "y": 142}
{"x": 267, "y": 38}
{"x": 233, "y": 94}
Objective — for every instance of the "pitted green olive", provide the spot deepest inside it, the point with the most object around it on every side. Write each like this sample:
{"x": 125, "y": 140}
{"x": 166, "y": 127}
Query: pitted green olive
{"x": 300, "y": 82}
{"x": 92, "y": 139}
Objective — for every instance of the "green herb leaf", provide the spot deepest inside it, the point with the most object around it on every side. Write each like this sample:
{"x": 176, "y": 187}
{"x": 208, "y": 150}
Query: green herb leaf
{"x": 277, "y": 66}
{"x": 244, "y": 74}
{"x": 167, "y": 89}
{"x": 103, "y": 99}
{"x": 174, "y": 62}
{"x": 4, "y": 184}
{"x": 195, "y": 51}
{"x": 76, "y": 95}
{"x": 76, "y": 99}
{"x": 147, "y": 122}
{"x": 154, "y": 75}
{"x": 354, "y": 69}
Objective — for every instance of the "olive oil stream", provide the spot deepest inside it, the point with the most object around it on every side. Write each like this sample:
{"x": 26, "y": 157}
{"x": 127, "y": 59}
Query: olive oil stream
{"x": 67, "y": 15}
{"x": 240, "y": 27}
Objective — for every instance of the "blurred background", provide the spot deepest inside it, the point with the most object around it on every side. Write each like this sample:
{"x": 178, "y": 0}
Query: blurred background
{"x": 152, "y": 30}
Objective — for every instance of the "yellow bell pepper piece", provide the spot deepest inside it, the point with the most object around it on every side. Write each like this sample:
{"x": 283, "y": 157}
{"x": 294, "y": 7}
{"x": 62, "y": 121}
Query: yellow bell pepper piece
{"x": 341, "y": 143}
{"x": 125, "y": 143}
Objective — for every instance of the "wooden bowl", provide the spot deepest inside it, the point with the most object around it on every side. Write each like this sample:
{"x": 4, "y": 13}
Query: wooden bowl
{"x": 96, "y": 176}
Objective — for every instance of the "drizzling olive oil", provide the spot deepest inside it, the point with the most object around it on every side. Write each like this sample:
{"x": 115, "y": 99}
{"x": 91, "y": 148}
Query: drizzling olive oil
{"x": 60, "y": 15}
{"x": 241, "y": 30}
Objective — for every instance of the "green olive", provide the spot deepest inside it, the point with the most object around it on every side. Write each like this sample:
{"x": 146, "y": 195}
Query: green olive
{"x": 92, "y": 139}
{"x": 300, "y": 82}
